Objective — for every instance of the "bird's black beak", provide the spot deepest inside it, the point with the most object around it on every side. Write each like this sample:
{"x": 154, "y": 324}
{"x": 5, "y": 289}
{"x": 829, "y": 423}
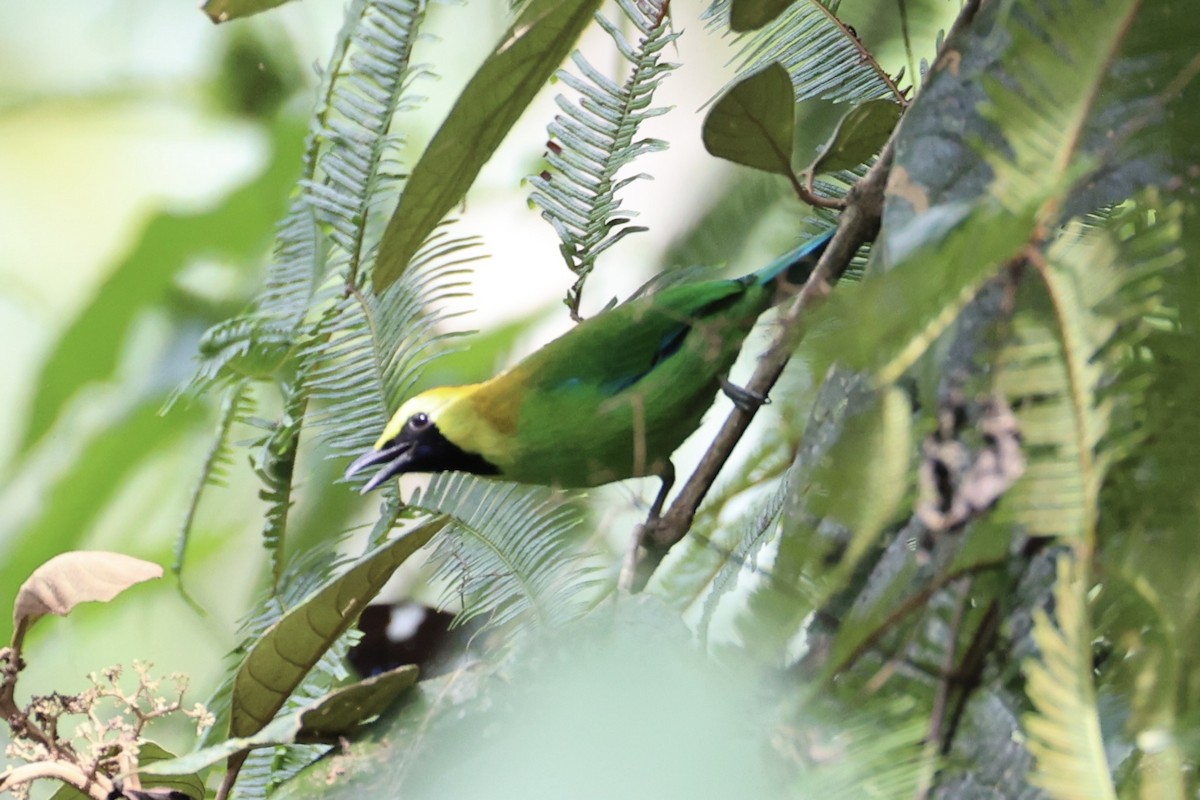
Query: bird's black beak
{"x": 396, "y": 456}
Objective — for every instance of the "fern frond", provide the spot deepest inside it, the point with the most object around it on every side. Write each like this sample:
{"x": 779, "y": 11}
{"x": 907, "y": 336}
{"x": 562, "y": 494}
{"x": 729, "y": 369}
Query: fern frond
{"x": 593, "y": 140}
{"x": 1054, "y": 89}
{"x": 236, "y": 407}
{"x": 354, "y": 127}
{"x": 344, "y": 172}
{"x": 1064, "y": 733}
{"x": 869, "y": 757}
{"x": 508, "y": 554}
{"x": 366, "y": 353}
{"x": 1065, "y": 352}
{"x": 274, "y": 461}
{"x": 822, "y": 57}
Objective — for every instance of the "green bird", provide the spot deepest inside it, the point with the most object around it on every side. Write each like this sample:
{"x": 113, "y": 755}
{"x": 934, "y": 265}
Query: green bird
{"x": 611, "y": 399}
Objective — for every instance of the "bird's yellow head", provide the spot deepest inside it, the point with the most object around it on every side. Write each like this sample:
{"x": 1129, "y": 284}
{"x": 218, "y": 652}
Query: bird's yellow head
{"x": 412, "y": 442}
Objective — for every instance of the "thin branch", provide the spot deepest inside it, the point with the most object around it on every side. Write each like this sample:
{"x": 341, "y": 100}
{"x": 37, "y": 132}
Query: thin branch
{"x": 941, "y": 698}
{"x": 858, "y": 224}
{"x": 97, "y": 787}
{"x": 916, "y": 601}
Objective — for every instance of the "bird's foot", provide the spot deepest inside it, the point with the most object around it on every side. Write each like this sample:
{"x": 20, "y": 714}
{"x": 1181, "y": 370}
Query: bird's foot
{"x": 743, "y": 398}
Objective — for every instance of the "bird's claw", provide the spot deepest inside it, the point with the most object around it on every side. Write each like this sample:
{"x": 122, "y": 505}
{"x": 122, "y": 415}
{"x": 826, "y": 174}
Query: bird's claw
{"x": 743, "y": 398}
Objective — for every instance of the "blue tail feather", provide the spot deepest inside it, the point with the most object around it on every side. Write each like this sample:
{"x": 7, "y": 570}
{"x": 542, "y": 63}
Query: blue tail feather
{"x": 797, "y": 264}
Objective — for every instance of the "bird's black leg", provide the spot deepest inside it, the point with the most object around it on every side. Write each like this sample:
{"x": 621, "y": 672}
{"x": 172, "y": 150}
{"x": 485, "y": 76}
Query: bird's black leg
{"x": 629, "y": 563}
{"x": 668, "y": 480}
{"x": 743, "y": 398}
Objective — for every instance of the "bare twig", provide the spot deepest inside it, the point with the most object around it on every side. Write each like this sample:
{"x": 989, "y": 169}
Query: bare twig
{"x": 858, "y": 224}
{"x": 933, "y": 742}
{"x": 97, "y": 787}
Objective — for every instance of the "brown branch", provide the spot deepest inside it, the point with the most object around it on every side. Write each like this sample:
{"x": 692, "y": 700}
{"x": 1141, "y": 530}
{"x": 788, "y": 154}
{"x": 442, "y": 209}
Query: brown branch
{"x": 941, "y": 697}
{"x": 97, "y": 787}
{"x": 858, "y": 224}
{"x": 914, "y": 602}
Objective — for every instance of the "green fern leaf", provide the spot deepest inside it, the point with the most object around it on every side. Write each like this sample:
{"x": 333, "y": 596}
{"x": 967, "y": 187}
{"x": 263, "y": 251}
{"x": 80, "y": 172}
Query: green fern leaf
{"x": 508, "y": 553}
{"x": 593, "y": 140}
{"x": 1059, "y": 367}
{"x": 1064, "y": 733}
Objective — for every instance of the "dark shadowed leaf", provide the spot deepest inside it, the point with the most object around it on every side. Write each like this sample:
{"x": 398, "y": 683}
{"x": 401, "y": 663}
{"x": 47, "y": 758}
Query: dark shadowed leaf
{"x": 753, "y": 122}
{"x": 749, "y": 15}
{"x": 859, "y": 135}
{"x": 224, "y": 10}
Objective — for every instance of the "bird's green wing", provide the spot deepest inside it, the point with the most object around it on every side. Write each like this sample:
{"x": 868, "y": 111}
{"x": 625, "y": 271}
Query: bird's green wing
{"x": 614, "y": 350}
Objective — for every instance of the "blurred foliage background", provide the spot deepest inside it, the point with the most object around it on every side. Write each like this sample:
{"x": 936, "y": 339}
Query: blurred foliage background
{"x": 150, "y": 162}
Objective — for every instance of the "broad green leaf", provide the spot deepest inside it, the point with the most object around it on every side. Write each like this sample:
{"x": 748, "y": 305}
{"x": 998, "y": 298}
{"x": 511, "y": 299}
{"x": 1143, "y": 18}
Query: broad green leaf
{"x": 224, "y": 10}
{"x": 280, "y": 659}
{"x": 190, "y": 783}
{"x": 336, "y": 714}
{"x": 344, "y": 709}
{"x": 750, "y": 15}
{"x": 860, "y": 134}
{"x": 493, "y": 99}
{"x": 238, "y": 229}
{"x": 753, "y": 122}
{"x": 1064, "y": 731}
{"x": 79, "y": 495}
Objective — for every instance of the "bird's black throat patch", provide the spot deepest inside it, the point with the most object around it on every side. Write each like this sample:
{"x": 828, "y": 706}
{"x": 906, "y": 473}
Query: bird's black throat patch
{"x": 433, "y": 452}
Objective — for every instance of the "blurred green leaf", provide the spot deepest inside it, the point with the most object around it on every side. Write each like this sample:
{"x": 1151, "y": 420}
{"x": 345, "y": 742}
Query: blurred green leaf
{"x": 1064, "y": 731}
{"x": 493, "y": 99}
{"x": 749, "y": 15}
{"x": 871, "y": 455}
{"x": 282, "y": 656}
{"x": 860, "y": 134}
{"x": 224, "y": 10}
{"x": 888, "y": 321}
{"x": 80, "y": 494}
{"x": 239, "y": 228}
{"x": 753, "y": 122}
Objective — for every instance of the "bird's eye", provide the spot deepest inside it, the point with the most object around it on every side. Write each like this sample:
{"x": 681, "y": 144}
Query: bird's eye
{"x": 418, "y": 421}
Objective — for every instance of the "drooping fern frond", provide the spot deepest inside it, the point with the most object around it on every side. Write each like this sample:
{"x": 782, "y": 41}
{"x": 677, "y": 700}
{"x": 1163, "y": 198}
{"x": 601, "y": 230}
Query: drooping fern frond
{"x": 368, "y": 350}
{"x": 343, "y": 172}
{"x": 1064, "y": 732}
{"x": 594, "y": 139}
{"x": 822, "y": 55}
{"x": 274, "y": 462}
{"x": 1054, "y": 89}
{"x": 1060, "y": 366}
{"x": 508, "y": 553}
{"x": 235, "y": 408}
